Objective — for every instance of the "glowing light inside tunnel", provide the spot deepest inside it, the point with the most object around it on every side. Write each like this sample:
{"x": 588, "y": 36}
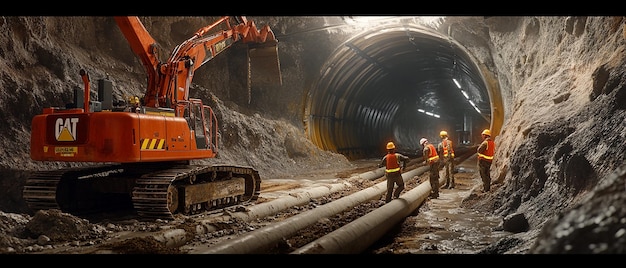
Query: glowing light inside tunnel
{"x": 474, "y": 105}
{"x": 456, "y": 83}
{"x": 466, "y": 96}
{"x": 428, "y": 113}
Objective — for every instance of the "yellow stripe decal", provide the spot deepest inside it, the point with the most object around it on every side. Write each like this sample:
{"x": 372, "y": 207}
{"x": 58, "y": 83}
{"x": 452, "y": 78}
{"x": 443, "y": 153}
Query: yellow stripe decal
{"x": 161, "y": 142}
{"x": 153, "y": 144}
{"x": 144, "y": 144}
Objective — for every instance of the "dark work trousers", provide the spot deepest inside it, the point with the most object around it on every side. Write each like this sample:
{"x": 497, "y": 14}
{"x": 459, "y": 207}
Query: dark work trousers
{"x": 434, "y": 179}
{"x": 448, "y": 166}
{"x": 484, "y": 169}
{"x": 394, "y": 178}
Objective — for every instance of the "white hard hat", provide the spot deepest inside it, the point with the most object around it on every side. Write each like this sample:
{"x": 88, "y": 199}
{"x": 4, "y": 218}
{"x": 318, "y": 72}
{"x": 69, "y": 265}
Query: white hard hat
{"x": 423, "y": 140}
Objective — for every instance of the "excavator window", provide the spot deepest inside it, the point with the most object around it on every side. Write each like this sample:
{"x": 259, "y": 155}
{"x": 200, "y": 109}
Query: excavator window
{"x": 187, "y": 115}
{"x": 199, "y": 127}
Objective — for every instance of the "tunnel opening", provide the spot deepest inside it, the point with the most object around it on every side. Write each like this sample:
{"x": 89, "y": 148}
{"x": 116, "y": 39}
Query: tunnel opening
{"x": 397, "y": 82}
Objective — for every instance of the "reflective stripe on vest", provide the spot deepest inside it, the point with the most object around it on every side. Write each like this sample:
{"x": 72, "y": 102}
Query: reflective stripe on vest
{"x": 432, "y": 156}
{"x": 392, "y": 163}
{"x": 489, "y": 152}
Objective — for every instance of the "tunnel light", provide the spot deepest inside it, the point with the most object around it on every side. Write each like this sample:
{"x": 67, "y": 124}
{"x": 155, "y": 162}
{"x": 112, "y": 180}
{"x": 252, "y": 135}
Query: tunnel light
{"x": 428, "y": 113}
{"x": 475, "y": 108}
{"x": 478, "y": 111}
{"x": 465, "y": 94}
{"x": 456, "y": 83}
{"x": 470, "y": 101}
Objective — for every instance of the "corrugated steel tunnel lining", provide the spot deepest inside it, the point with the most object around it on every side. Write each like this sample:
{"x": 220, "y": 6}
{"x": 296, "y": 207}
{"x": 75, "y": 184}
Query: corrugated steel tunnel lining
{"x": 388, "y": 84}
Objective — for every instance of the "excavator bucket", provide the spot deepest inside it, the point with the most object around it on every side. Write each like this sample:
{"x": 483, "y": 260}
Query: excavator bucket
{"x": 264, "y": 64}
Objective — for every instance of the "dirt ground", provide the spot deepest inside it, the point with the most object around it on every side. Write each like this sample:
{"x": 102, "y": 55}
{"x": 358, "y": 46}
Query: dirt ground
{"x": 443, "y": 225}
{"x": 440, "y": 226}
{"x": 56, "y": 232}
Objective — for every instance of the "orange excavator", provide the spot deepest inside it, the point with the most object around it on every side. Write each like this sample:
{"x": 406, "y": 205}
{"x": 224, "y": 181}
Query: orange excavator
{"x": 140, "y": 153}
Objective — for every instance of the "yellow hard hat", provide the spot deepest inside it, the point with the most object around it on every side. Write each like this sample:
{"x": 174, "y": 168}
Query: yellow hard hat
{"x": 390, "y": 146}
{"x": 443, "y": 133}
{"x": 486, "y": 132}
{"x": 136, "y": 99}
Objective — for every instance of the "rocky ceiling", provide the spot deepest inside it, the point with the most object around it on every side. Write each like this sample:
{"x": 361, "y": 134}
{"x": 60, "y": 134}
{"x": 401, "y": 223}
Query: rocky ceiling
{"x": 398, "y": 76}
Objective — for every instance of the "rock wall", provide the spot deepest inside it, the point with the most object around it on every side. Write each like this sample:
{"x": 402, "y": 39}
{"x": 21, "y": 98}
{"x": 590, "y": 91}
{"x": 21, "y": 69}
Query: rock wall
{"x": 564, "y": 135}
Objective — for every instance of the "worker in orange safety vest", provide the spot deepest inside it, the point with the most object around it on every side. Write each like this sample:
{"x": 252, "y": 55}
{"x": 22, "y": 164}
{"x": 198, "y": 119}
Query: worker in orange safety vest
{"x": 431, "y": 157}
{"x": 446, "y": 154}
{"x": 486, "y": 150}
{"x": 394, "y": 164}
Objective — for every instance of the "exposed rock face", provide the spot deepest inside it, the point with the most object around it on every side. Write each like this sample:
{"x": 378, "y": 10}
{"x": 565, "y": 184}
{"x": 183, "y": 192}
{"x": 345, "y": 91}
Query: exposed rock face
{"x": 563, "y": 83}
{"x": 562, "y": 79}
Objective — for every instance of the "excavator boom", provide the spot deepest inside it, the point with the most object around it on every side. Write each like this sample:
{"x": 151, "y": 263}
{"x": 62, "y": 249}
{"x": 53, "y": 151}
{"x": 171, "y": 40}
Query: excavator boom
{"x": 169, "y": 82}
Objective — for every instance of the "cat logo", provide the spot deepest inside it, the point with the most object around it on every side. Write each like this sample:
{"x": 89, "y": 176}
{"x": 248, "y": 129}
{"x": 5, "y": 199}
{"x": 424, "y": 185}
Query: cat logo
{"x": 65, "y": 129}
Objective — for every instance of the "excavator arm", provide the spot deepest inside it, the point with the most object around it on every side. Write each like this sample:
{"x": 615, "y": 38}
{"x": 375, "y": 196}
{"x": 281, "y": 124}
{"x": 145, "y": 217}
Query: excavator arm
{"x": 168, "y": 83}
{"x": 143, "y": 45}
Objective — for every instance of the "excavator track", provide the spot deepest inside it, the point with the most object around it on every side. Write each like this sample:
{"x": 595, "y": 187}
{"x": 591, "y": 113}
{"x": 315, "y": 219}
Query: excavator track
{"x": 69, "y": 189}
{"x": 153, "y": 193}
{"x": 193, "y": 189}
{"x": 40, "y": 190}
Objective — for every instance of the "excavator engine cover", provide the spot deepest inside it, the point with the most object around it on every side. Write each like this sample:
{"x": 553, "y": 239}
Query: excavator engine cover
{"x": 264, "y": 64}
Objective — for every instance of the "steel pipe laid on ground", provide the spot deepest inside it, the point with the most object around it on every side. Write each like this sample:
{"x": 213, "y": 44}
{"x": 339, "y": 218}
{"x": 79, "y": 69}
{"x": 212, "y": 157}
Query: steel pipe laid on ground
{"x": 297, "y": 199}
{"x": 358, "y": 235}
{"x": 259, "y": 241}
{"x": 277, "y": 205}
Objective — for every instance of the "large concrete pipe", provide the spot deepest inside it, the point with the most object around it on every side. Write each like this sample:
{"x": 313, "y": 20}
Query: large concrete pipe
{"x": 358, "y": 235}
{"x": 259, "y": 241}
{"x": 299, "y": 199}
{"x": 280, "y": 204}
